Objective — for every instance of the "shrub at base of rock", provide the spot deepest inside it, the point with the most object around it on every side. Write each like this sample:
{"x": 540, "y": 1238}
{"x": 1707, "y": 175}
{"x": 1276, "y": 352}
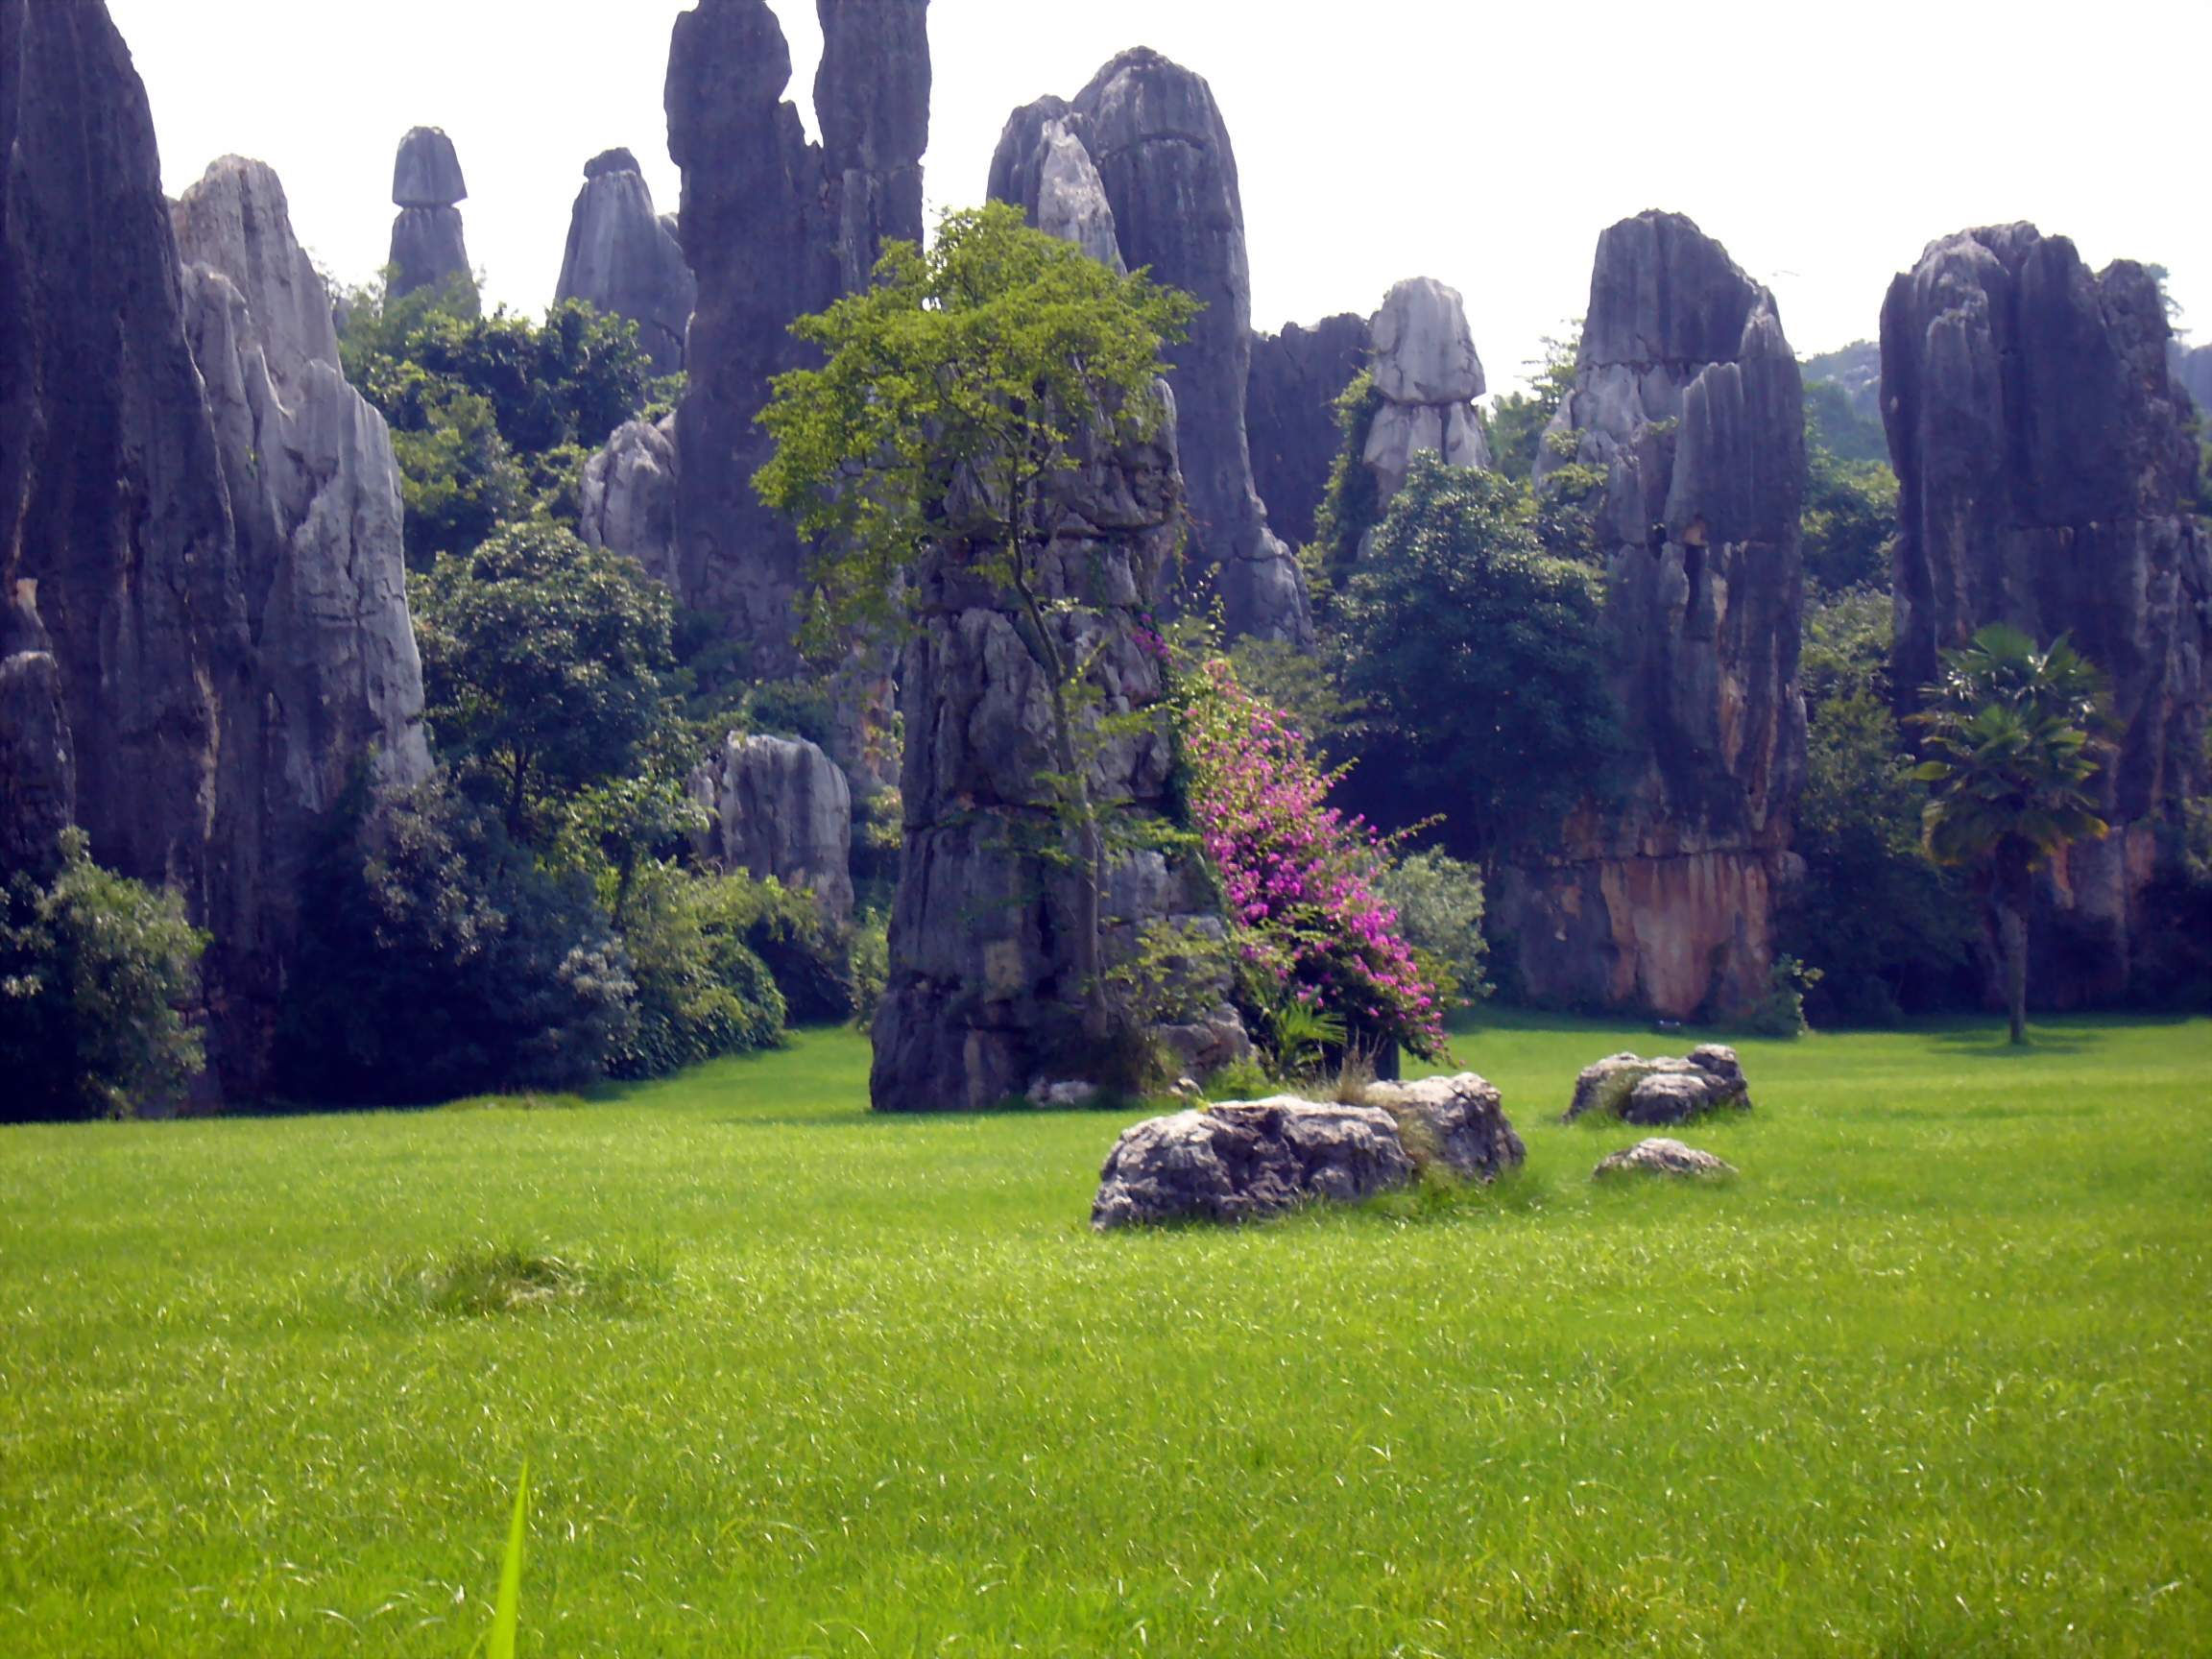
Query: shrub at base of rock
{"x": 1661, "y": 1090}
{"x": 1659, "y": 1156}
{"x": 1254, "y": 1158}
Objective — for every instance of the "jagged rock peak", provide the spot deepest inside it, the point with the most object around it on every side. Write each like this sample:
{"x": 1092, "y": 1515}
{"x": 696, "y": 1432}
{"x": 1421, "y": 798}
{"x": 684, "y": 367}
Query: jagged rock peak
{"x": 427, "y": 171}
{"x": 1153, "y": 132}
{"x": 776, "y": 228}
{"x": 1423, "y": 348}
{"x": 622, "y": 259}
{"x": 235, "y": 220}
{"x": 1689, "y": 401}
{"x": 1429, "y": 377}
{"x": 1664, "y": 293}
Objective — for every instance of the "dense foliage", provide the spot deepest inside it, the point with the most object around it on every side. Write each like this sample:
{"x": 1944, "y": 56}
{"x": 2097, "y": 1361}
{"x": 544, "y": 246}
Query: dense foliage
{"x": 701, "y": 990}
{"x": 1301, "y": 881}
{"x": 1478, "y": 656}
{"x": 542, "y": 663}
{"x": 96, "y": 972}
{"x": 1888, "y": 931}
{"x": 1439, "y": 904}
{"x": 1518, "y": 420}
{"x": 492, "y": 417}
{"x": 444, "y": 959}
{"x": 1850, "y": 513}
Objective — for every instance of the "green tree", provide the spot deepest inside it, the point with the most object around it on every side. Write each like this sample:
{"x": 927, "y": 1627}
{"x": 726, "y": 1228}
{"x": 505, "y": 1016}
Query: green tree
{"x": 2011, "y": 735}
{"x": 1518, "y": 420}
{"x": 1478, "y": 655}
{"x": 982, "y": 367}
{"x": 543, "y": 663}
{"x": 1850, "y": 517}
{"x": 492, "y": 417}
{"x": 95, "y": 971}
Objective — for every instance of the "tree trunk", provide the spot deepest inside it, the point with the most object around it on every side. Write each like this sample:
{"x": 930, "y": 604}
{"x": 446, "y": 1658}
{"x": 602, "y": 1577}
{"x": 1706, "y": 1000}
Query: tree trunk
{"x": 2012, "y": 931}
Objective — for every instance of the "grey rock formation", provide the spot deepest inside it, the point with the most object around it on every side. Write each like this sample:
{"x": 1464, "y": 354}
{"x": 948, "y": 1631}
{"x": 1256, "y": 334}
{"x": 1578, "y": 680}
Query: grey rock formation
{"x": 2045, "y": 474}
{"x": 624, "y": 260}
{"x": 314, "y": 493}
{"x": 1152, "y": 133}
{"x": 210, "y": 548}
{"x": 1687, "y": 397}
{"x": 1291, "y": 416}
{"x": 1659, "y": 1156}
{"x": 1246, "y": 1160}
{"x": 428, "y": 247}
{"x": 985, "y": 995}
{"x": 775, "y": 227}
{"x": 1428, "y": 375}
{"x": 627, "y": 500}
{"x": 37, "y": 760}
{"x": 2192, "y": 366}
{"x": 426, "y": 173}
{"x": 1458, "y": 1123}
{"x": 117, "y": 533}
{"x": 1666, "y": 1089}
{"x": 781, "y": 808}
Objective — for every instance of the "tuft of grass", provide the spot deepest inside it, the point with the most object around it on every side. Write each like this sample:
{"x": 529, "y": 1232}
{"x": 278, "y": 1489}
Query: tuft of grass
{"x": 482, "y": 1280}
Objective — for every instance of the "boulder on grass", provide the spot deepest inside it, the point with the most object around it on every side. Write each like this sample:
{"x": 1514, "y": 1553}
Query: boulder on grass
{"x": 1661, "y": 1090}
{"x": 1459, "y": 1122}
{"x": 1248, "y": 1158}
{"x": 1659, "y": 1156}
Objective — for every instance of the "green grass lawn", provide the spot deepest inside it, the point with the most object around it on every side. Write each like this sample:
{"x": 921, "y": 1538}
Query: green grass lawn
{"x": 1934, "y": 1377}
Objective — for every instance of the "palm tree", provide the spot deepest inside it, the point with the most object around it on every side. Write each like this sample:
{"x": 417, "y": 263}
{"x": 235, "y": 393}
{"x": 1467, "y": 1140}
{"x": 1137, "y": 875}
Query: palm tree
{"x": 2012, "y": 740}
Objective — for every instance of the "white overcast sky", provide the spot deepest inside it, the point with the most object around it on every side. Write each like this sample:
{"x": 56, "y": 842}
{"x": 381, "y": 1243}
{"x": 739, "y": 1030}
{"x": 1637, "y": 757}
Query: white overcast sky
{"x": 1825, "y": 143}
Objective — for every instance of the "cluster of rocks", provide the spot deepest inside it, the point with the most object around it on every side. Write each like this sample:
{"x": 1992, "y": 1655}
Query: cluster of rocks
{"x": 429, "y": 247}
{"x": 205, "y": 631}
{"x": 1688, "y": 401}
{"x": 1661, "y": 1090}
{"x": 2047, "y": 476}
{"x": 1248, "y": 1158}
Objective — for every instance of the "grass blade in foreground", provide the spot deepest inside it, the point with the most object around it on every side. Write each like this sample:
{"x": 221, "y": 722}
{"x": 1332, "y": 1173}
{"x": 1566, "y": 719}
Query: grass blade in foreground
{"x": 509, "y": 1612}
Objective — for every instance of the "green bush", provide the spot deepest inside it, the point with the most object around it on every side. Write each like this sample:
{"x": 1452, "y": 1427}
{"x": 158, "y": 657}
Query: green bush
{"x": 439, "y": 959}
{"x": 1440, "y": 902}
{"x": 871, "y": 964}
{"x": 94, "y": 973}
{"x": 701, "y": 991}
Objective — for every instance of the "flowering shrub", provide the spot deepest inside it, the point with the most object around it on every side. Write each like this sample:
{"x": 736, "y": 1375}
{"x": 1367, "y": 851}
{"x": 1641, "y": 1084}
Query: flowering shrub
{"x": 1301, "y": 881}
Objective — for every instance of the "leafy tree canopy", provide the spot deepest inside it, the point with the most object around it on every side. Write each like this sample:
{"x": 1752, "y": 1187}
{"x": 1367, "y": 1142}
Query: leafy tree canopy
{"x": 1477, "y": 656}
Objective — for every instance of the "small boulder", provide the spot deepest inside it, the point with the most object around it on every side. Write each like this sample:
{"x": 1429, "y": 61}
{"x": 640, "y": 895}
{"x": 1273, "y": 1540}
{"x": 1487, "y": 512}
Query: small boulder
{"x": 1248, "y": 1158}
{"x": 1659, "y": 1156}
{"x": 1458, "y": 1121}
{"x": 1661, "y": 1090}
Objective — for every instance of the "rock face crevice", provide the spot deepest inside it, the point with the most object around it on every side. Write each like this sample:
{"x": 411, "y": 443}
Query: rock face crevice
{"x": 1151, "y": 134}
{"x": 775, "y": 227}
{"x": 1688, "y": 399}
{"x": 1291, "y": 416}
{"x": 624, "y": 260}
{"x": 204, "y": 620}
{"x": 428, "y": 246}
{"x": 2046, "y": 476}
